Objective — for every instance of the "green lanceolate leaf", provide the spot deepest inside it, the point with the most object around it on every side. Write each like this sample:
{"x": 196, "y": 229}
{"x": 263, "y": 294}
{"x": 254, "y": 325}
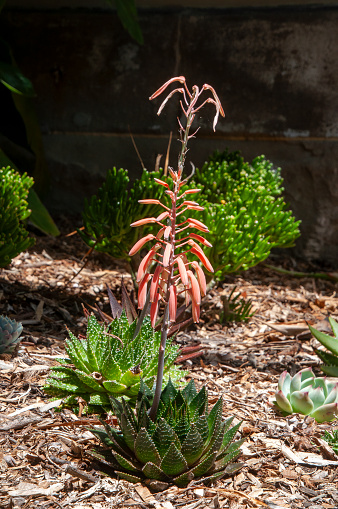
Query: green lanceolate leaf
{"x": 145, "y": 449}
{"x": 114, "y": 387}
{"x": 90, "y": 381}
{"x": 40, "y": 216}
{"x": 164, "y": 436}
{"x": 124, "y": 463}
{"x": 328, "y": 341}
{"x": 128, "y": 477}
{"x": 152, "y": 471}
{"x": 173, "y": 462}
{"x": 15, "y": 81}
{"x": 328, "y": 358}
{"x": 192, "y": 447}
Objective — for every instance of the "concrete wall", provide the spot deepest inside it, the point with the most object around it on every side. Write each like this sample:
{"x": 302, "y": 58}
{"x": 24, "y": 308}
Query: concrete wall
{"x": 275, "y": 70}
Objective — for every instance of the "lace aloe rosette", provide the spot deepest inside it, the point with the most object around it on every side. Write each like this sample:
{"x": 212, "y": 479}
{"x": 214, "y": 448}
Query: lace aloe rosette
{"x": 174, "y": 272}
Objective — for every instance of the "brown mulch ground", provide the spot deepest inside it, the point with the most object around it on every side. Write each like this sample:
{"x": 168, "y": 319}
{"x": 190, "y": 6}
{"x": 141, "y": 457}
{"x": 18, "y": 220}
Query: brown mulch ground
{"x": 43, "y": 459}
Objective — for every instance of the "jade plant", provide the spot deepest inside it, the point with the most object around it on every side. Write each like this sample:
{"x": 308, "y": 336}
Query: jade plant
{"x": 307, "y": 395}
{"x": 10, "y": 331}
{"x": 184, "y": 442}
{"x": 172, "y": 437}
{"x": 243, "y": 209}
{"x": 109, "y": 361}
{"x": 330, "y": 343}
{"x": 14, "y": 210}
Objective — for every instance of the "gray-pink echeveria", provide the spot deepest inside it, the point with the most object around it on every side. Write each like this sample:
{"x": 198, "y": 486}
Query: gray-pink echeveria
{"x": 307, "y": 395}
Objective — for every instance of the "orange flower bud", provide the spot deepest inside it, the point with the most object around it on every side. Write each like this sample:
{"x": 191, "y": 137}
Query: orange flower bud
{"x": 162, "y": 183}
{"x": 200, "y": 239}
{"x": 182, "y": 270}
{"x": 145, "y": 262}
{"x": 150, "y": 201}
{"x": 200, "y": 278}
{"x": 197, "y": 224}
{"x": 140, "y": 243}
{"x": 162, "y": 216}
{"x": 143, "y": 221}
{"x": 195, "y": 311}
{"x": 166, "y": 255}
{"x": 191, "y": 191}
{"x": 172, "y": 303}
{"x": 195, "y": 289}
{"x": 154, "y": 283}
{"x": 198, "y": 252}
{"x": 167, "y": 232}
{"x": 142, "y": 291}
{"x": 154, "y": 310}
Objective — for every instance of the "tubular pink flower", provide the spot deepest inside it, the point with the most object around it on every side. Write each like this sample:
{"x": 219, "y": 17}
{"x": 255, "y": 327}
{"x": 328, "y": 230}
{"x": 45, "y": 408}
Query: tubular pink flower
{"x": 166, "y": 255}
{"x": 154, "y": 283}
{"x": 142, "y": 291}
{"x": 199, "y": 253}
{"x": 195, "y": 289}
{"x": 200, "y": 239}
{"x": 140, "y": 243}
{"x": 145, "y": 262}
{"x": 162, "y": 216}
{"x": 161, "y": 183}
{"x": 200, "y": 278}
{"x": 197, "y": 224}
{"x": 167, "y": 232}
{"x": 195, "y": 311}
{"x": 154, "y": 310}
{"x": 182, "y": 270}
{"x": 143, "y": 221}
{"x": 172, "y": 303}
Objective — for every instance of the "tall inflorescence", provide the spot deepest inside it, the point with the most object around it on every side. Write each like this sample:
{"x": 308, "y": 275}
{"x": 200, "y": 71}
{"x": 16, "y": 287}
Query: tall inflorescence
{"x": 174, "y": 273}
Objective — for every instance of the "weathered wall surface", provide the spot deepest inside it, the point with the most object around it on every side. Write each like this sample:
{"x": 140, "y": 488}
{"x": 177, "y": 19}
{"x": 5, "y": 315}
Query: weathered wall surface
{"x": 275, "y": 70}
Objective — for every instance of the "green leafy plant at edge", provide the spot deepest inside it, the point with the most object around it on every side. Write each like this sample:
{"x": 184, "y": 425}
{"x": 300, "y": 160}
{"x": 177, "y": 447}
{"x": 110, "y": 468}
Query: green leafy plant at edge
{"x": 330, "y": 358}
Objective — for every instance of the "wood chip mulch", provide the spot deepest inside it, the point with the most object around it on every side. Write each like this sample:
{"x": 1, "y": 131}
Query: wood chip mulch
{"x": 43, "y": 462}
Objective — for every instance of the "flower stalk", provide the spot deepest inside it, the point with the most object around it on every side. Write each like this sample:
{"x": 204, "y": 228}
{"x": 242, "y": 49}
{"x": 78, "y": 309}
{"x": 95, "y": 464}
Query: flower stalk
{"x": 174, "y": 243}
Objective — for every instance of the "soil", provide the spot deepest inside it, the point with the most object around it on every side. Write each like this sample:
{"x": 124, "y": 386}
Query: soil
{"x": 43, "y": 462}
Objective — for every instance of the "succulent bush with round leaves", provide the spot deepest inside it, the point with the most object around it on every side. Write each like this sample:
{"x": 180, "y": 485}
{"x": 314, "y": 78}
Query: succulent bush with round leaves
{"x": 14, "y": 211}
{"x": 109, "y": 362}
{"x": 185, "y": 442}
{"x": 307, "y": 395}
{"x": 243, "y": 209}
{"x": 10, "y": 331}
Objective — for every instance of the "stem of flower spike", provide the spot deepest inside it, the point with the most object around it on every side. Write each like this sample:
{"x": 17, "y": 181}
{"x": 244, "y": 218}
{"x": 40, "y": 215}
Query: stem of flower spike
{"x": 165, "y": 324}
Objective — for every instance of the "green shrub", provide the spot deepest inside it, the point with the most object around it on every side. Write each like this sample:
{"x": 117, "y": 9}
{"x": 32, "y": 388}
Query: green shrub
{"x": 14, "y": 237}
{"x": 244, "y": 211}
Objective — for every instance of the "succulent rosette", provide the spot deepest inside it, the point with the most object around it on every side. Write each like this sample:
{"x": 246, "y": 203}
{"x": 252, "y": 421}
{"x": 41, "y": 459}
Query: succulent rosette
{"x": 307, "y": 395}
{"x": 10, "y": 331}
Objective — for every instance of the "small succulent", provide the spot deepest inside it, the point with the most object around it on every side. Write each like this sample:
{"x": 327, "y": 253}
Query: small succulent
{"x": 10, "y": 331}
{"x": 109, "y": 362}
{"x": 332, "y": 439}
{"x": 235, "y": 309}
{"x": 14, "y": 211}
{"x": 307, "y": 395}
{"x": 185, "y": 441}
{"x": 331, "y": 343}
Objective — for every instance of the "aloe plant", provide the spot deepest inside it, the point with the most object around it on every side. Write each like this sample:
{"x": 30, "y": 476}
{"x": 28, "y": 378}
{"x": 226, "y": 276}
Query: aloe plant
{"x": 331, "y": 343}
{"x": 235, "y": 309}
{"x": 307, "y": 395}
{"x": 10, "y": 331}
{"x": 185, "y": 442}
{"x": 14, "y": 210}
{"x": 109, "y": 362}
